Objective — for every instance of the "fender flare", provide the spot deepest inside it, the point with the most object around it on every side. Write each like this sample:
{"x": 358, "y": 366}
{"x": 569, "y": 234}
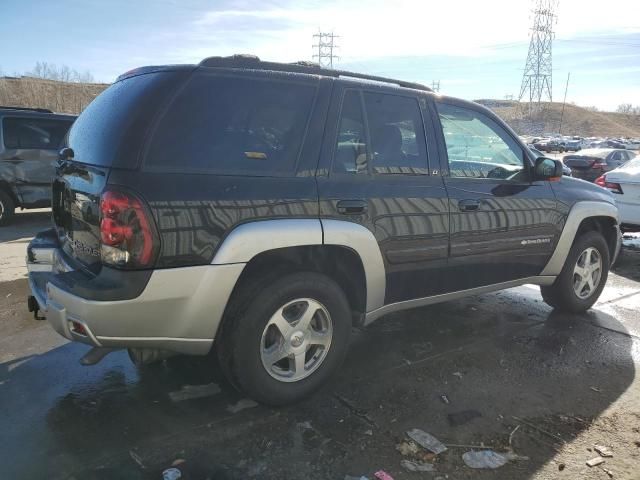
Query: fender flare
{"x": 579, "y": 212}
{"x": 361, "y": 240}
{"x": 252, "y": 238}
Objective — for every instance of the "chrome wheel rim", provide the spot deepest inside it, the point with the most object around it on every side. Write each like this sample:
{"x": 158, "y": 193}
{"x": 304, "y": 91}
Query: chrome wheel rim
{"x": 296, "y": 340}
{"x": 587, "y": 273}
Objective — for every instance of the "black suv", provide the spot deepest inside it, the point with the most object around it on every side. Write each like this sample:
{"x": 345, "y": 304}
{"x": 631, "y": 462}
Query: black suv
{"x": 29, "y": 143}
{"x": 264, "y": 209}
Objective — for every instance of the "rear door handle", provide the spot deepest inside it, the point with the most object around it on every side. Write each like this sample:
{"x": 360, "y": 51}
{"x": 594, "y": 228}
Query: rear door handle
{"x": 468, "y": 205}
{"x": 351, "y": 207}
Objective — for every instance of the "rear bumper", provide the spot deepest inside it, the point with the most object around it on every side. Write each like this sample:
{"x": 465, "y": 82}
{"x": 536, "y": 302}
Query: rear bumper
{"x": 178, "y": 310}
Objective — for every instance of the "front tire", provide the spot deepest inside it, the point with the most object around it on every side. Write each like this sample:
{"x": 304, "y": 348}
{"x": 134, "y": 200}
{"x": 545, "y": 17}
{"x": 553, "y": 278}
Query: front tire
{"x": 583, "y": 276}
{"x": 7, "y": 208}
{"x": 288, "y": 340}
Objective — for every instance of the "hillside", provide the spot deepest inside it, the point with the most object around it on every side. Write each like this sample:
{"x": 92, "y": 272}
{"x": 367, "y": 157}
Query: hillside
{"x": 74, "y": 97}
{"x": 63, "y": 97}
{"x": 577, "y": 120}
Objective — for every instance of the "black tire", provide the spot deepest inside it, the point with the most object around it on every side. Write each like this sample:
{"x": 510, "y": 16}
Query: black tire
{"x": 239, "y": 344}
{"x": 7, "y": 208}
{"x": 561, "y": 295}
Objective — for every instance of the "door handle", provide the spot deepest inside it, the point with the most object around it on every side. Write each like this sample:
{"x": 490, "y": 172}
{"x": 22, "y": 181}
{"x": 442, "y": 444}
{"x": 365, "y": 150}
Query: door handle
{"x": 351, "y": 207}
{"x": 468, "y": 205}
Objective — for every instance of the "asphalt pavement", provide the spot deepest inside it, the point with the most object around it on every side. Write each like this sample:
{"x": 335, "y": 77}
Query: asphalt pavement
{"x": 500, "y": 370}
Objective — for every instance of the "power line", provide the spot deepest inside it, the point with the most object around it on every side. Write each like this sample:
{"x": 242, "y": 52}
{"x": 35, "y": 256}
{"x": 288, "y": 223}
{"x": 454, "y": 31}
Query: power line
{"x": 537, "y": 79}
{"x": 324, "y": 48}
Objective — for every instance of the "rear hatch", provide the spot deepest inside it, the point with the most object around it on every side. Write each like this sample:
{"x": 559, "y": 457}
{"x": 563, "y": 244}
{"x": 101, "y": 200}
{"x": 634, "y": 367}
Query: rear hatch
{"x": 108, "y": 135}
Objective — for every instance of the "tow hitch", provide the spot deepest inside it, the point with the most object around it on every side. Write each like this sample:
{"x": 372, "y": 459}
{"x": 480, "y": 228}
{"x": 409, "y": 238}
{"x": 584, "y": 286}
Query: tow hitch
{"x": 32, "y": 305}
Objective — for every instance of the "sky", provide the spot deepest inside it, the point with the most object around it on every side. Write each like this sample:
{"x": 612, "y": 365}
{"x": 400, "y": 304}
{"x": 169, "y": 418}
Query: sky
{"x": 476, "y": 49}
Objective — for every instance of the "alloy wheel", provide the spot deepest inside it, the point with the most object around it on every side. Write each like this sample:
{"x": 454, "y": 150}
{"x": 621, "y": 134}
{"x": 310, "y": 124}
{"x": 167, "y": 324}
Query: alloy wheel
{"x": 587, "y": 273}
{"x": 296, "y": 340}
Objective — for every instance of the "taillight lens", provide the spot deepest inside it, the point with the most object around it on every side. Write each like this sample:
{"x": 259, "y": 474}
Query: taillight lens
{"x": 613, "y": 187}
{"x": 598, "y": 165}
{"x": 127, "y": 232}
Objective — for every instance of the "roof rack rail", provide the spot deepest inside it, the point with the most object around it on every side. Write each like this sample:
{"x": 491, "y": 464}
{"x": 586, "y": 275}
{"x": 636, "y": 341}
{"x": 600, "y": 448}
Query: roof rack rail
{"x": 251, "y": 61}
{"x": 28, "y": 109}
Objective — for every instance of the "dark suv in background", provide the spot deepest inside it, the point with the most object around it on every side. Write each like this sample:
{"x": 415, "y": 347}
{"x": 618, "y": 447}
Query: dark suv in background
{"x": 30, "y": 139}
{"x": 264, "y": 209}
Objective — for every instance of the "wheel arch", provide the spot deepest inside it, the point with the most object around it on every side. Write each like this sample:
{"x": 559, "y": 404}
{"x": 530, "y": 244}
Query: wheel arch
{"x": 585, "y": 216}
{"x": 345, "y": 251}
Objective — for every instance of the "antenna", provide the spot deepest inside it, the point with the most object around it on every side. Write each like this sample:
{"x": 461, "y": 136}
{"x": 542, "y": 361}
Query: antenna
{"x": 324, "y": 48}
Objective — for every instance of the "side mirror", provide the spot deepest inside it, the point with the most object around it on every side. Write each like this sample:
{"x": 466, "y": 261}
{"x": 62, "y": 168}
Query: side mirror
{"x": 547, "y": 169}
{"x": 65, "y": 154}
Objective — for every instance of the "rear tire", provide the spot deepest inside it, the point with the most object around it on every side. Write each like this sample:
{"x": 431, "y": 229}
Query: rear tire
{"x": 7, "y": 208}
{"x": 289, "y": 338}
{"x": 583, "y": 276}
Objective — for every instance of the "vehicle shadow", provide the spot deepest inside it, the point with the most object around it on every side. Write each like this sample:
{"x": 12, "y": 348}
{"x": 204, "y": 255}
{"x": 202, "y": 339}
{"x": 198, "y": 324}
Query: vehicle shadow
{"x": 628, "y": 264}
{"x": 501, "y": 355}
{"x": 25, "y": 225}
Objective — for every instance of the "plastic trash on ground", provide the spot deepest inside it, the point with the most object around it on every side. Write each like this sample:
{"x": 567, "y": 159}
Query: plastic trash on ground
{"x": 417, "y": 466}
{"x": 171, "y": 474}
{"x": 382, "y": 475}
{"x": 489, "y": 458}
{"x": 426, "y": 440}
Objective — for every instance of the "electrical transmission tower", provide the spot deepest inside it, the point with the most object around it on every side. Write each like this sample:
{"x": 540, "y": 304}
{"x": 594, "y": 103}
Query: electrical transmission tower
{"x": 435, "y": 86}
{"x": 537, "y": 83}
{"x": 324, "y": 47}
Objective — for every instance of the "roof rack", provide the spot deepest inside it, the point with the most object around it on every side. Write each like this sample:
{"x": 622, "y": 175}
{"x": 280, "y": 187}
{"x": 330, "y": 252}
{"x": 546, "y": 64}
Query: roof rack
{"x": 253, "y": 62}
{"x": 28, "y": 109}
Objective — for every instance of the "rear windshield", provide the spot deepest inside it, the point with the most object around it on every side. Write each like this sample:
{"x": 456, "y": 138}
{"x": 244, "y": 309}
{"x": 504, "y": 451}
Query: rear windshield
{"x": 233, "y": 125}
{"x": 111, "y": 130}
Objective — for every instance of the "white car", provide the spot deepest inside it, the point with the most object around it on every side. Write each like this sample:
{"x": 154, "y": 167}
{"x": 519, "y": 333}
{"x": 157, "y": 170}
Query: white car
{"x": 625, "y": 182}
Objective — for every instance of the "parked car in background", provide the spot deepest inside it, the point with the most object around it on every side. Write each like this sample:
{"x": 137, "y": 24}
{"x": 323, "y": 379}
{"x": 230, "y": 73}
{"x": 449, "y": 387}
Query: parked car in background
{"x": 614, "y": 144}
{"x": 566, "y": 171}
{"x": 591, "y": 163}
{"x": 633, "y": 144}
{"x": 550, "y": 145}
{"x": 29, "y": 144}
{"x": 573, "y": 145}
{"x": 625, "y": 183}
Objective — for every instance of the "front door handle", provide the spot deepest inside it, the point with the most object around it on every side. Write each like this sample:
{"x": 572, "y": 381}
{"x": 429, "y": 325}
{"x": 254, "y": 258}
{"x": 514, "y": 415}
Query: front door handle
{"x": 468, "y": 205}
{"x": 351, "y": 207}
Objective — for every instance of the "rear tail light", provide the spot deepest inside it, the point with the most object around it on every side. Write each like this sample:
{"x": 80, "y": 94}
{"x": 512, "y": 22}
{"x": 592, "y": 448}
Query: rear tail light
{"x": 128, "y": 235}
{"x": 598, "y": 165}
{"x": 613, "y": 187}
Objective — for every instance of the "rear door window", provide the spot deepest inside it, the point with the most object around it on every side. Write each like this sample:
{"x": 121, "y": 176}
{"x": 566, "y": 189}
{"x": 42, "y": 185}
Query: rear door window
{"x": 34, "y": 133}
{"x": 615, "y": 158}
{"x": 233, "y": 125}
{"x": 397, "y": 134}
{"x": 351, "y": 147}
